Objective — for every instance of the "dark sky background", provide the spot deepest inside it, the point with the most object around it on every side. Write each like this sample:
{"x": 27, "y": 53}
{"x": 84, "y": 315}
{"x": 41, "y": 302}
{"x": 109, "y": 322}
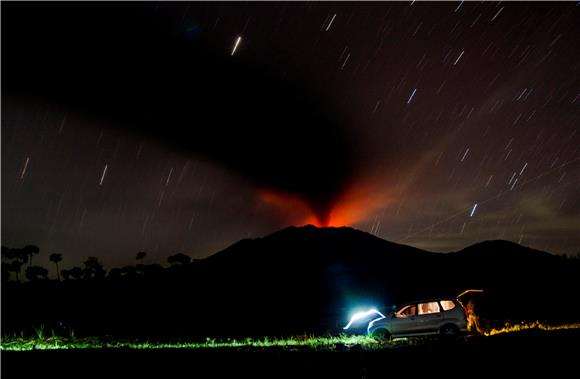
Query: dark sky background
{"x": 145, "y": 128}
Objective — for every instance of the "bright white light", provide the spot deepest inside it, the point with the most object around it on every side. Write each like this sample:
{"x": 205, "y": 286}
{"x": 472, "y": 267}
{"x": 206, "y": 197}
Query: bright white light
{"x": 373, "y": 322}
{"x": 103, "y": 176}
{"x": 473, "y": 210}
{"x": 330, "y": 23}
{"x": 236, "y": 44}
{"x": 459, "y": 57}
{"x": 361, "y": 315}
{"x": 464, "y": 155}
{"x": 25, "y": 167}
{"x": 497, "y": 14}
{"x": 411, "y": 97}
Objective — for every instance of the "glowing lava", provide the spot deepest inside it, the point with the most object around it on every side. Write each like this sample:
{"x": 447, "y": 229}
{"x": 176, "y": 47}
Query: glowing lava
{"x": 354, "y": 205}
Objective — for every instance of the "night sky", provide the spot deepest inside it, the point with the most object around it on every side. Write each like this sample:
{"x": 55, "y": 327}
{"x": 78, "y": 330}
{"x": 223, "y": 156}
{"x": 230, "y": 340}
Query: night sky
{"x": 185, "y": 127}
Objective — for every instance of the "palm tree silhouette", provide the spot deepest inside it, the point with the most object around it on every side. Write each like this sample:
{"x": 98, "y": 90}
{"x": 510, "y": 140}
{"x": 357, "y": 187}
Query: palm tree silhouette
{"x": 55, "y": 258}
{"x": 29, "y": 251}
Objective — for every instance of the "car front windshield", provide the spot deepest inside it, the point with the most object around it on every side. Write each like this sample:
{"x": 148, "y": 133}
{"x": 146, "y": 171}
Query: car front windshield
{"x": 408, "y": 311}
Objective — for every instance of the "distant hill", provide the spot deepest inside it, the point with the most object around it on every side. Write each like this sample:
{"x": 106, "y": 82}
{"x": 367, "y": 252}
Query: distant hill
{"x": 308, "y": 279}
{"x": 330, "y": 270}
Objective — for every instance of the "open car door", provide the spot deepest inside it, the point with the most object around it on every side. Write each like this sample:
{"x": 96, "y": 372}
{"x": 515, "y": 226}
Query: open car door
{"x": 458, "y": 297}
{"x": 472, "y": 320}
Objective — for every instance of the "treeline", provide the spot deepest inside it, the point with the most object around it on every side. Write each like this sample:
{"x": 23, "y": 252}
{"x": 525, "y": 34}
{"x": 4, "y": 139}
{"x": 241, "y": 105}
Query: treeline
{"x": 15, "y": 261}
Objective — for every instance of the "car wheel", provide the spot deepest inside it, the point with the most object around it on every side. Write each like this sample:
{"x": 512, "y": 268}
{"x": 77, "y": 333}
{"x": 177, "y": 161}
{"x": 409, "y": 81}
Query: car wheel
{"x": 449, "y": 332}
{"x": 382, "y": 335}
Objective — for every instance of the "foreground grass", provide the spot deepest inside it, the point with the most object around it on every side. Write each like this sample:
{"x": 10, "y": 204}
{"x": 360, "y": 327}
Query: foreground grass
{"x": 53, "y": 342}
{"x": 313, "y": 342}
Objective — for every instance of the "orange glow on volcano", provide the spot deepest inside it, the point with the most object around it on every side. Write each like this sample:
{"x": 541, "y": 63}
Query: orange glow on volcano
{"x": 353, "y": 206}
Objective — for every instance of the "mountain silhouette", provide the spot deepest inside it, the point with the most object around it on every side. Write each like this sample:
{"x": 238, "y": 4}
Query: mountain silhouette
{"x": 313, "y": 277}
{"x": 304, "y": 280}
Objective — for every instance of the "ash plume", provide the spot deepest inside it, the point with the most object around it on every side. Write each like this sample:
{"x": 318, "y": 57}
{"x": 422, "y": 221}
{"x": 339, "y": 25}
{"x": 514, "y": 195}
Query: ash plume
{"x": 131, "y": 69}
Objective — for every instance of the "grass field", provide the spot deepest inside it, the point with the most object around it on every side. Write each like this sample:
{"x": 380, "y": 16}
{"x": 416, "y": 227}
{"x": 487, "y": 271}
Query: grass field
{"x": 519, "y": 353}
{"x": 48, "y": 340}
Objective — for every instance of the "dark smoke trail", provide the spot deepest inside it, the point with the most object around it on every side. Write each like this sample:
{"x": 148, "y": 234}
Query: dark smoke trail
{"x": 125, "y": 68}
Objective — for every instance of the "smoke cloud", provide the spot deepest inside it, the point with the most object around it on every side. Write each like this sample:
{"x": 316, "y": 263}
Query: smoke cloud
{"x": 129, "y": 70}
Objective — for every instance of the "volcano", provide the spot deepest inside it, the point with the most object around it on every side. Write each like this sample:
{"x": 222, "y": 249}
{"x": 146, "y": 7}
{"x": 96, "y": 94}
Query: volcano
{"x": 309, "y": 280}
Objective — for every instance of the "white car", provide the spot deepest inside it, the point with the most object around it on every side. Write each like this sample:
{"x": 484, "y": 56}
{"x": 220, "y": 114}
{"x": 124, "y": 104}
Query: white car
{"x": 445, "y": 317}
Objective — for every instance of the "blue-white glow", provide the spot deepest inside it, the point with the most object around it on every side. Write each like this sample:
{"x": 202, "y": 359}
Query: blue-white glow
{"x": 373, "y": 322}
{"x": 360, "y": 315}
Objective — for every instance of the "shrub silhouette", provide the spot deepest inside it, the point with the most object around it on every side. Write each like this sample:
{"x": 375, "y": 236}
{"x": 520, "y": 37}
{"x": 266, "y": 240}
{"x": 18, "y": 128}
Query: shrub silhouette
{"x": 93, "y": 269}
{"x": 114, "y": 273}
{"x": 65, "y": 274}
{"x": 16, "y": 267}
{"x": 35, "y": 273}
{"x": 129, "y": 271}
{"x": 178, "y": 259}
{"x": 76, "y": 273}
{"x": 6, "y": 268}
{"x": 152, "y": 269}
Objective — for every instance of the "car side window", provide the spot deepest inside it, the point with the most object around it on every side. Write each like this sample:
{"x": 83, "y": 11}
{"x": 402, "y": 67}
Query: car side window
{"x": 427, "y": 308}
{"x": 408, "y": 311}
{"x": 447, "y": 305}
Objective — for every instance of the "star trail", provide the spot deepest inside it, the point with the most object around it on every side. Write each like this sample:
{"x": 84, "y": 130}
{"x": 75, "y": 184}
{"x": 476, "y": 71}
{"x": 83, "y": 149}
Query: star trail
{"x": 450, "y": 123}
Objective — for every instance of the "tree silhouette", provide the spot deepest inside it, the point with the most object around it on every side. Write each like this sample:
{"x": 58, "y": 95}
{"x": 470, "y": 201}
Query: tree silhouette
{"x": 8, "y": 253}
{"x": 55, "y": 258}
{"x": 114, "y": 273}
{"x": 20, "y": 255}
{"x": 140, "y": 256}
{"x": 129, "y": 272}
{"x": 11, "y": 262}
{"x": 178, "y": 259}
{"x": 152, "y": 269}
{"x": 15, "y": 267}
{"x": 93, "y": 269}
{"x": 34, "y": 273}
{"x": 65, "y": 274}
{"x": 76, "y": 273}
{"x": 29, "y": 251}
{"x": 6, "y": 268}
